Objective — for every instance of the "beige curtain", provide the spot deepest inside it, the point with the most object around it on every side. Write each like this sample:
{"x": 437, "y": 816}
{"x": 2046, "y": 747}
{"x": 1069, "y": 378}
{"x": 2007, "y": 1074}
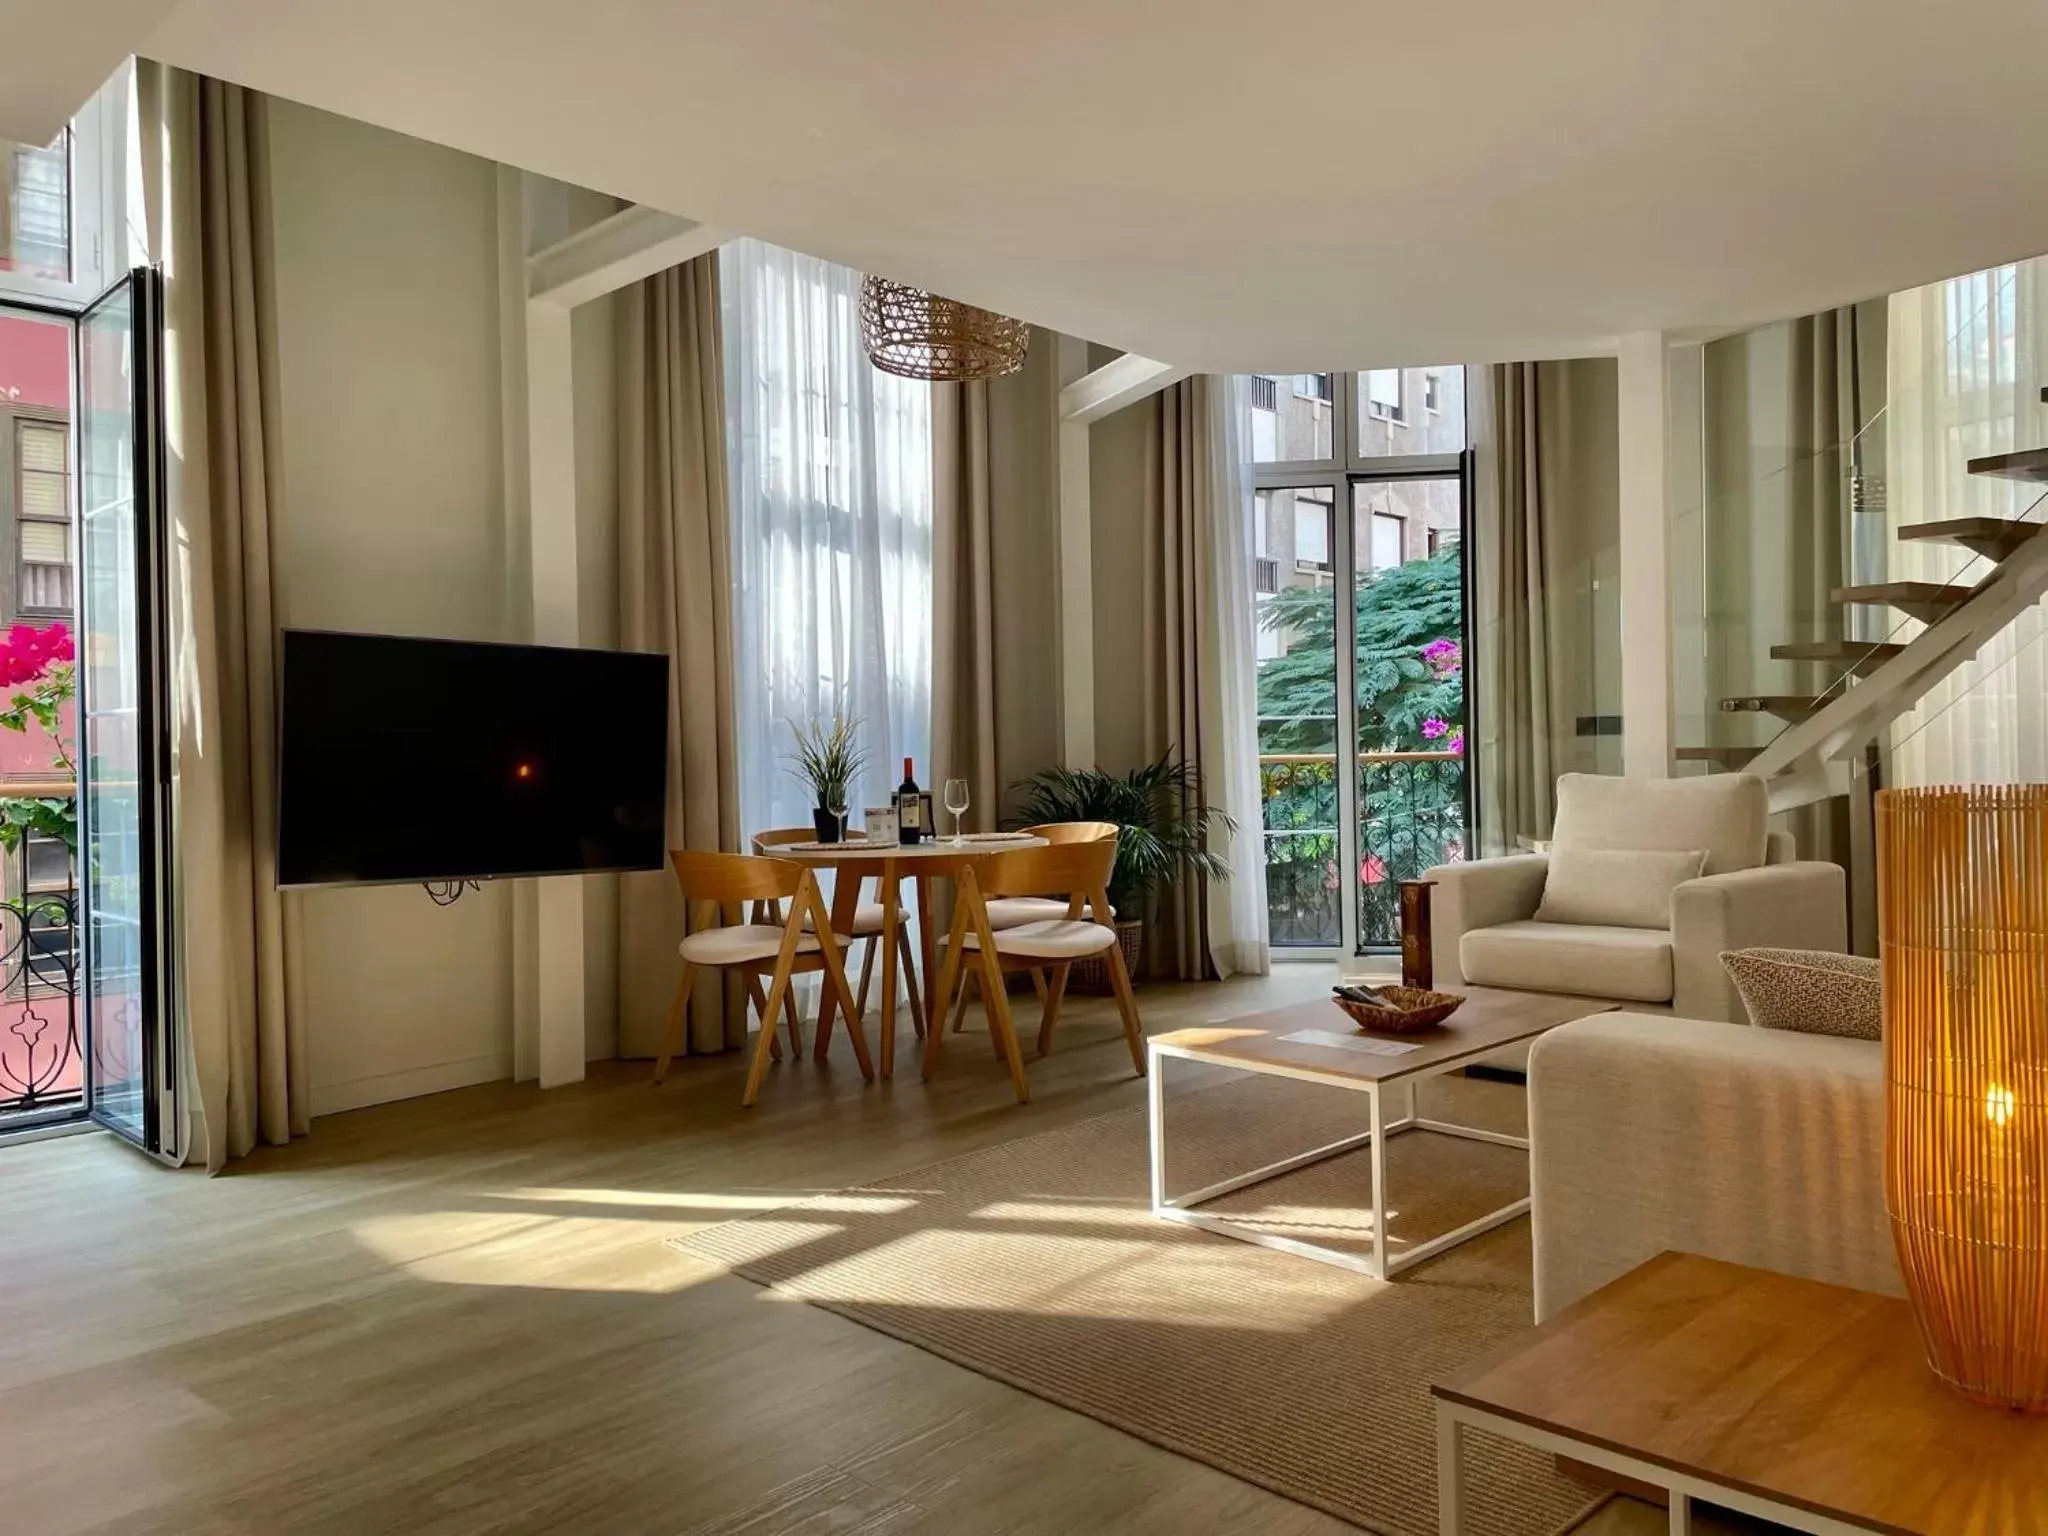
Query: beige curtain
{"x": 964, "y": 733}
{"x": 208, "y": 165}
{"x": 675, "y": 577}
{"x": 1546, "y": 527}
{"x": 1179, "y": 660}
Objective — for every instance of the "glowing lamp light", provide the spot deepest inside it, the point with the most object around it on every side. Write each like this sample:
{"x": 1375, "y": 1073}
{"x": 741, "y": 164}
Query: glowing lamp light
{"x": 1999, "y": 1104}
{"x": 523, "y": 771}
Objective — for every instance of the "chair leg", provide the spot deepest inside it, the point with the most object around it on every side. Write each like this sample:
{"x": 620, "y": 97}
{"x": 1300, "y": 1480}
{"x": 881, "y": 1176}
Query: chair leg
{"x": 767, "y": 1042}
{"x": 760, "y": 1001}
{"x": 1051, "y": 1015}
{"x": 1127, "y": 1006}
{"x": 960, "y": 1003}
{"x": 678, "y": 1016}
{"x": 910, "y": 984}
{"x": 835, "y": 977}
{"x": 1038, "y": 983}
{"x": 950, "y": 973}
{"x": 796, "y": 1029}
{"x": 997, "y": 996}
{"x": 867, "y": 972}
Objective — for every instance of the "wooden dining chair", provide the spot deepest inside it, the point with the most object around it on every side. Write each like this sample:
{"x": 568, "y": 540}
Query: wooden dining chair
{"x": 716, "y": 887}
{"x": 1081, "y": 871}
{"x": 869, "y": 920}
{"x": 1015, "y": 911}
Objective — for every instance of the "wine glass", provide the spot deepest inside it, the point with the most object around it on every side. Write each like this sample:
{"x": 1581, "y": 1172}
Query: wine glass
{"x": 956, "y": 802}
{"x": 835, "y": 806}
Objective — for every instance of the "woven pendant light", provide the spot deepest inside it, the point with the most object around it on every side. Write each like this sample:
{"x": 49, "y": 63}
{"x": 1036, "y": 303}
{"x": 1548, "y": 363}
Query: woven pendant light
{"x": 918, "y": 335}
{"x": 1963, "y": 921}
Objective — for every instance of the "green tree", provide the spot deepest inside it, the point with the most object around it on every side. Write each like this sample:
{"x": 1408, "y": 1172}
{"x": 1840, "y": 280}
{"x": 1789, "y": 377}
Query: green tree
{"x": 1411, "y": 698}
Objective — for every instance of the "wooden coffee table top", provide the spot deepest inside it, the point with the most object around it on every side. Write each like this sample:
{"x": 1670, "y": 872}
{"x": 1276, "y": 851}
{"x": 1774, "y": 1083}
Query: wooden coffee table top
{"x": 1487, "y": 1021}
{"x": 1813, "y": 1395}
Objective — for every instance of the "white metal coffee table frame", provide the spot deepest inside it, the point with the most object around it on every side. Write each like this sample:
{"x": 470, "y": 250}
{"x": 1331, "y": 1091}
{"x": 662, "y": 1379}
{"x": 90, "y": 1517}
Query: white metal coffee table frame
{"x": 1378, "y": 1132}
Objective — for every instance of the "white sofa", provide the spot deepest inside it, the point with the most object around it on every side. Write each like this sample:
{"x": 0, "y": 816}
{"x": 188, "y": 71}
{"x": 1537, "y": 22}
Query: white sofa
{"x": 1753, "y": 891}
{"x": 1758, "y": 1146}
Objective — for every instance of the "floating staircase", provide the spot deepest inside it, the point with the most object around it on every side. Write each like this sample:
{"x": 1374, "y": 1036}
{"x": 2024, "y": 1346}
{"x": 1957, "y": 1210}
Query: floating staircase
{"x": 1809, "y": 759}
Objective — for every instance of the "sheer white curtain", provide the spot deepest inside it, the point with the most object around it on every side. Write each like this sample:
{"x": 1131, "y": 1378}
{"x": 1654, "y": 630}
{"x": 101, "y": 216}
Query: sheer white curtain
{"x": 1237, "y": 919}
{"x": 830, "y": 467}
{"x": 1968, "y": 359}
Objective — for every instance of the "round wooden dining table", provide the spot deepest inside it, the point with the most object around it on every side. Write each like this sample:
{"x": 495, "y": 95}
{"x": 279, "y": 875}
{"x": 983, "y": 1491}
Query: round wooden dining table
{"x": 858, "y": 861}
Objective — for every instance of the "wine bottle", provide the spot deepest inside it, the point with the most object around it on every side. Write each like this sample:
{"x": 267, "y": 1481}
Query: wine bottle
{"x": 909, "y": 807}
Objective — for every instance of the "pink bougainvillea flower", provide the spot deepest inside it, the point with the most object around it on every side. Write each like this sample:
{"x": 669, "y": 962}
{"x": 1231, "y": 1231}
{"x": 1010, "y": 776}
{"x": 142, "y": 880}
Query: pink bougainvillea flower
{"x": 1433, "y": 728}
{"x": 1444, "y": 657}
{"x": 1456, "y": 742}
{"x": 27, "y": 652}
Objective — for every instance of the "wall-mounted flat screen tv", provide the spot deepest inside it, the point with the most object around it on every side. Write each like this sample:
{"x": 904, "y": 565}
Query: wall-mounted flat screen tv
{"x": 438, "y": 760}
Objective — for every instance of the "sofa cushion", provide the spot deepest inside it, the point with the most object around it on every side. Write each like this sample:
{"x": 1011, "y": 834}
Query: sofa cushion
{"x": 1810, "y": 991}
{"x": 1632, "y": 964}
{"x": 1615, "y": 887}
{"x": 1722, "y": 813}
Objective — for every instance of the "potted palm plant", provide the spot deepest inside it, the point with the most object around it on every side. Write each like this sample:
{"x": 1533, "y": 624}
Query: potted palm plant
{"x": 1163, "y": 830}
{"x": 828, "y": 758}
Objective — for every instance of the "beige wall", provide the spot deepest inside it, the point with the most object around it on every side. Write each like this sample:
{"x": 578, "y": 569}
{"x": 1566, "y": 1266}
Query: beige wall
{"x": 388, "y": 341}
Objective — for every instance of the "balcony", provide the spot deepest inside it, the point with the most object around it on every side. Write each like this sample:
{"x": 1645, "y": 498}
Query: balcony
{"x": 1411, "y": 818}
{"x": 42, "y": 1065}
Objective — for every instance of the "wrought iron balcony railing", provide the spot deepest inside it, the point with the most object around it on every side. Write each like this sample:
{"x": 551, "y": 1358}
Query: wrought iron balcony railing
{"x": 42, "y": 1066}
{"x": 1411, "y": 818}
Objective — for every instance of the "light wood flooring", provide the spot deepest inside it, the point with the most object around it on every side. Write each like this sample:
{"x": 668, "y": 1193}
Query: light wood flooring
{"x": 457, "y": 1315}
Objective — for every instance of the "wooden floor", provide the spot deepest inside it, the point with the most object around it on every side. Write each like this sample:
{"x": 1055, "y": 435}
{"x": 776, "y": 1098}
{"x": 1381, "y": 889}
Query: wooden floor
{"x": 457, "y": 1314}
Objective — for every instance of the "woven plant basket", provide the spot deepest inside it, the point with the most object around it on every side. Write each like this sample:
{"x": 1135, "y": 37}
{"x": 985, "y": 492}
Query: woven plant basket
{"x": 1091, "y": 977}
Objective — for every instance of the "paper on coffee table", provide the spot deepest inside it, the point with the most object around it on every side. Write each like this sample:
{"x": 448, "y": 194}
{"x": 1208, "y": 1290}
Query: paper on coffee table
{"x": 1338, "y": 1041}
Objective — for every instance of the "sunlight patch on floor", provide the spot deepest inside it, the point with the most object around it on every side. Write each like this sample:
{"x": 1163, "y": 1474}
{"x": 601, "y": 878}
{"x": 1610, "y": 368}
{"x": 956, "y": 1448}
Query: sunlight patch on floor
{"x": 530, "y": 1252}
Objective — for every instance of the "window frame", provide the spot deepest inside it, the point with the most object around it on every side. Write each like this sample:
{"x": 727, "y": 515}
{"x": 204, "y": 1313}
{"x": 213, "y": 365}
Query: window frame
{"x": 98, "y": 143}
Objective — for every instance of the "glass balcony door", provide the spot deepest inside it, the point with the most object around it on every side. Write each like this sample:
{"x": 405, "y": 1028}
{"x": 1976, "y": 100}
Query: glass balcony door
{"x": 1359, "y": 586}
{"x": 124, "y": 802}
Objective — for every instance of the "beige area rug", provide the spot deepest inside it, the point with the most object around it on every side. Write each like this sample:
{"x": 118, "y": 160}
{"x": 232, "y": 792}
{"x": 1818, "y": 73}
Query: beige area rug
{"x": 1037, "y": 1263}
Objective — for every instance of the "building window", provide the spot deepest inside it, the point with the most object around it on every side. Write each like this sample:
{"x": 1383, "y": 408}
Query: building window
{"x": 1312, "y": 386}
{"x": 1432, "y": 394}
{"x": 35, "y": 209}
{"x": 1389, "y": 537}
{"x": 1313, "y": 511}
{"x": 1383, "y": 393}
{"x": 1265, "y": 395}
{"x": 1435, "y": 536}
{"x": 43, "y": 519}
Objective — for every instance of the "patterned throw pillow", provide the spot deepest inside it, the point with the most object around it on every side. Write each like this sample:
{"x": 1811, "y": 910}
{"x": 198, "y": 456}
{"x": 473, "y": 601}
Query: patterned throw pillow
{"x": 1810, "y": 991}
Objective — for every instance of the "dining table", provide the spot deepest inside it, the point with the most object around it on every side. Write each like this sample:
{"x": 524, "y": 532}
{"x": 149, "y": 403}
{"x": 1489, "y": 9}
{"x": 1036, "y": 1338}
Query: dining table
{"x": 855, "y": 861}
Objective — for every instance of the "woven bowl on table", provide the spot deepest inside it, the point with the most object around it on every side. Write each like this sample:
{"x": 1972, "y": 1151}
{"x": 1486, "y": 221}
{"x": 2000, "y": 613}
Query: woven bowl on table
{"x": 1419, "y": 1010}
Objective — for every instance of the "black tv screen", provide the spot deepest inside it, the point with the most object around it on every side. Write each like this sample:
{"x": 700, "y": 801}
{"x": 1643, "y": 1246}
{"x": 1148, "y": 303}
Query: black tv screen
{"x": 431, "y": 760}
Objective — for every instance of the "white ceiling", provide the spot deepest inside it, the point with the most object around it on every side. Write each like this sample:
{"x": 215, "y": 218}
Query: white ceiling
{"x": 1233, "y": 185}
{"x": 48, "y": 66}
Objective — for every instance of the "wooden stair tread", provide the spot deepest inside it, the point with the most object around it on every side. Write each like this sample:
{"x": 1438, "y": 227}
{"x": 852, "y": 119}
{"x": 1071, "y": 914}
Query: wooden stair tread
{"x": 2025, "y": 464}
{"x": 1770, "y": 704}
{"x": 1902, "y": 592}
{"x": 1986, "y": 535}
{"x": 1862, "y": 654}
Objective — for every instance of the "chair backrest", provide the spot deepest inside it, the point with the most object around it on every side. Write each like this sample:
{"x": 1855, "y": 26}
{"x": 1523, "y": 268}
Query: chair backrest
{"x": 1063, "y": 869}
{"x": 729, "y": 879}
{"x": 781, "y": 837}
{"x": 1075, "y": 831}
{"x": 1722, "y": 814}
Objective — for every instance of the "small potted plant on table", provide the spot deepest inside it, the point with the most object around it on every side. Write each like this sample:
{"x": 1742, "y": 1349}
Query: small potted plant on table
{"x": 1163, "y": 830}
{"x": 828, "y": 758}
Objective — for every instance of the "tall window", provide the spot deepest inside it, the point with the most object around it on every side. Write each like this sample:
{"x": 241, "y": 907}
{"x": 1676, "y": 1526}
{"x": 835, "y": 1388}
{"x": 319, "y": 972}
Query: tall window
{"x": 830, "y": 471}
{"x": 43, "y": 519}
{"x": 1362, "y": 762}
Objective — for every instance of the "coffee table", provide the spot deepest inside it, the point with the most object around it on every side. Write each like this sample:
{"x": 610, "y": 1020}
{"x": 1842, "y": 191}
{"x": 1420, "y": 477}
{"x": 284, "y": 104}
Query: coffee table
{"x": 1284, "y": 1043}
{"x": 1807, "y": 1404}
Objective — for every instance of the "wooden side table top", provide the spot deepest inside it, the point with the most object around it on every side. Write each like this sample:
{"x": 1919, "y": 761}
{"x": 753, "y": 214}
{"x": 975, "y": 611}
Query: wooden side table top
{"x": 1814, "y": 1396}
{"x": 1489, "y": 1020}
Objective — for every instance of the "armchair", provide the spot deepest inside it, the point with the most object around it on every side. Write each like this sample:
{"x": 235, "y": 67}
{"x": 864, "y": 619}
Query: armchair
{"x": 1752, "y": 891}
